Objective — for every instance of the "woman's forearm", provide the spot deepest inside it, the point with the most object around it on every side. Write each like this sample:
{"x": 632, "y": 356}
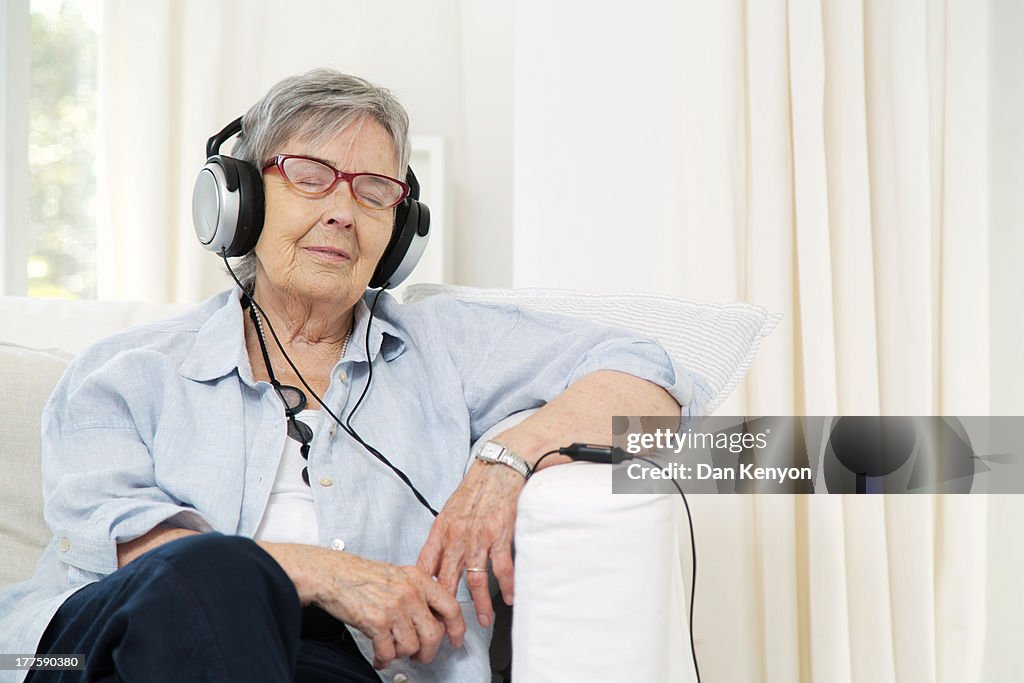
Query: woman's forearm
{"x": 583, "y": 412}
{"x": 156, "y": 537}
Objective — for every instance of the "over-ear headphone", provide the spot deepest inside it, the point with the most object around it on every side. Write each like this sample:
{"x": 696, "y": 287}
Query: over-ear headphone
{"x": 228, "y": 211}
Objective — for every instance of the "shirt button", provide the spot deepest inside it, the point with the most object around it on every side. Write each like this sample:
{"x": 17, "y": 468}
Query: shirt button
{"x": 333, "y": 430}
{"x": 342, "y": 376}
{"x": 326, "y": 481}
{"x": 400, "y": 678}
{"x": 65, "y": 545}
{"x": 337, "y": 544}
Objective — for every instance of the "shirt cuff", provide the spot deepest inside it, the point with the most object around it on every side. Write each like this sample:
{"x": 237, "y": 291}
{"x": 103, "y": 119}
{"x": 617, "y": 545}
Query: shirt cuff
{"x": 100, "y": 555}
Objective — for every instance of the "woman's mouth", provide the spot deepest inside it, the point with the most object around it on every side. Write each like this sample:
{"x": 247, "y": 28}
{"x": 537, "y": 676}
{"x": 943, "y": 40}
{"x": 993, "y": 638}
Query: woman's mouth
{"x": 329, "y": 253}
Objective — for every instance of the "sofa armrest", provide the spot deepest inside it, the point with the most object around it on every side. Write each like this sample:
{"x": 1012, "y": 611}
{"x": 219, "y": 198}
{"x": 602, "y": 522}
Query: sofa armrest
{"x": 601, "y": 593}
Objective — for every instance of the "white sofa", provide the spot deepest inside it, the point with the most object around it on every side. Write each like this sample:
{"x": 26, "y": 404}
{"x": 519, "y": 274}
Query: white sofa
{"x": 601, "y": 579}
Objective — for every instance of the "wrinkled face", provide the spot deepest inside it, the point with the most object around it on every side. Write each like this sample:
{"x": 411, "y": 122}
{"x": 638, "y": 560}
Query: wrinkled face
{"x": 326, "y": 248}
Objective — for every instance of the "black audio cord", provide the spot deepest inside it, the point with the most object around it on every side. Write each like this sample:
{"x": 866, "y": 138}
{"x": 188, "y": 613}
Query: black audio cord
{"x": 693, "y": 554}
{"x": 369, "y": 368}
{"x": 613, "y": 456}
{"x": 347, "y": 427}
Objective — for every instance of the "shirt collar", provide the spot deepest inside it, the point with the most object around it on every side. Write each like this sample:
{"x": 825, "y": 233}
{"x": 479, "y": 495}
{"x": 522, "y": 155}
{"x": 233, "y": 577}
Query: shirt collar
{"x": 386, "y": 338}
{"x": 219, "y": 347}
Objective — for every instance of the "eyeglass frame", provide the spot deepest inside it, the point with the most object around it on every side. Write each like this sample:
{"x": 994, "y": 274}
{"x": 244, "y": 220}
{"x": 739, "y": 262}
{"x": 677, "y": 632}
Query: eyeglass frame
{"x": 278, "y": 163}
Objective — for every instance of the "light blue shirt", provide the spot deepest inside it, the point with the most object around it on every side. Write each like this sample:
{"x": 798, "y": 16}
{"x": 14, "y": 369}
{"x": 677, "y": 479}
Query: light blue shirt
{"x": 164, "y": 424}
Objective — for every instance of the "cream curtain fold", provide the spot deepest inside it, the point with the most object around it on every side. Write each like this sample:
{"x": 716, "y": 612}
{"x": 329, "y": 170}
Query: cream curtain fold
{"x": 172, "y": 73}
{"x": 884, "y": 215}
{"x": 866, "y": 174}
{"x": 884, "y": 108}
{"x": 844, "y": 588}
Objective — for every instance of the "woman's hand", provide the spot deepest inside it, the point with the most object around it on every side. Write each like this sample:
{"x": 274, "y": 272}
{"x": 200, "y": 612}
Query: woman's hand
{"x": 402, "y": 610}
{"x": 476, "y": 524}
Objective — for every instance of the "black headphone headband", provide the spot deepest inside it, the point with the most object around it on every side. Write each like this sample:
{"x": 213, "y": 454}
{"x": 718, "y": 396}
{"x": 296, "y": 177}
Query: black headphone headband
{"x": 214, "y": 143}
{"x": 228, "y": 212}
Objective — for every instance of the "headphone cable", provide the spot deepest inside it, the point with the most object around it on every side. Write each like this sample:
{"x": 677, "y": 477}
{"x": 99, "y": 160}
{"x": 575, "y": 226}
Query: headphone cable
{"x": 693, "y": 554}
{"x": 346, "y": 427}
{"x": 369, "y": 368}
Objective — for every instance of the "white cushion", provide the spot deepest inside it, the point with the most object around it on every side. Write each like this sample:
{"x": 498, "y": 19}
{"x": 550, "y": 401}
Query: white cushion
{"x": 27, "y": 377}
{"x": 600, "y": 590}
{"x": 718, "y": 341}
{"x": 73, "y": 325}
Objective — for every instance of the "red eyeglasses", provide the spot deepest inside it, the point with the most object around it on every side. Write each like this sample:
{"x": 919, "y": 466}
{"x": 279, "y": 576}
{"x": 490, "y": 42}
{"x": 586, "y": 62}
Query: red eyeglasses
{"x": 314, "y": 178}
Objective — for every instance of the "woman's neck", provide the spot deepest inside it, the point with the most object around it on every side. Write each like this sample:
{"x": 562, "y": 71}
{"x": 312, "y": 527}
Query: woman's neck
{"x": 303, "y": 324}
{"x": 313, "y": 336}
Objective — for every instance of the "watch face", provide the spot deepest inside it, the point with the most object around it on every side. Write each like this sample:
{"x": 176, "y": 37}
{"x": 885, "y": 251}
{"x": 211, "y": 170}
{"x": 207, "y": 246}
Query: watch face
{"x": 490, "y": 451}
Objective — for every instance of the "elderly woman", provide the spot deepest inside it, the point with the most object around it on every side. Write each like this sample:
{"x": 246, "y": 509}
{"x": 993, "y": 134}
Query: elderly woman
{"x": 214, "y": 522}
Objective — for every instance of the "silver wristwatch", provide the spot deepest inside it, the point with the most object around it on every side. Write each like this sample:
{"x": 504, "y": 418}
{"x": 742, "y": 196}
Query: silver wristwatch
{"x": 494, "y": 452}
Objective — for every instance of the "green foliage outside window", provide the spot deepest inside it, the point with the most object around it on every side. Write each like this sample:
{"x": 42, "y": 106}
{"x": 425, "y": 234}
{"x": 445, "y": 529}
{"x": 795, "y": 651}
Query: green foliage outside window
{"x": 62, "y": 133}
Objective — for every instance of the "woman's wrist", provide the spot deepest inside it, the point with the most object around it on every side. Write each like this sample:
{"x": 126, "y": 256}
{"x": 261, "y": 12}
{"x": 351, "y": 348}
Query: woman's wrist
{"x": 300, "y": 563}
{"x": 531, "y": 448}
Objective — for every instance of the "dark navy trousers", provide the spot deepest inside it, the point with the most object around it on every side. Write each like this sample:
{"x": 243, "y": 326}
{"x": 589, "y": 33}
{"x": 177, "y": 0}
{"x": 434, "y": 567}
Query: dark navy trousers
{"x": 201, "y": 608}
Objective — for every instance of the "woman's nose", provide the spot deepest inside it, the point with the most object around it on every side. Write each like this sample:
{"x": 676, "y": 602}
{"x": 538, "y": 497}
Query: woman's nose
{"x": 340, "y": 206}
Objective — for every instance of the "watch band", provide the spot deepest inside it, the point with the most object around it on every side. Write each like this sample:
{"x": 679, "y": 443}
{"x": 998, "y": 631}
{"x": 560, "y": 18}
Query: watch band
{"x": 494, "y": 453}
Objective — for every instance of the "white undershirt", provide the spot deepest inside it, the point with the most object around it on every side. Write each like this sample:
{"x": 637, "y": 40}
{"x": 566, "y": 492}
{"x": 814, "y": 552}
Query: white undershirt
{"x": 290, "y": 515}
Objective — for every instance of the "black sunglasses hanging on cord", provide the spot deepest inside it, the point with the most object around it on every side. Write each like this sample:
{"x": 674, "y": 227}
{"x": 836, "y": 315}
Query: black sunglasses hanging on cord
{"x": 292, "y": 397}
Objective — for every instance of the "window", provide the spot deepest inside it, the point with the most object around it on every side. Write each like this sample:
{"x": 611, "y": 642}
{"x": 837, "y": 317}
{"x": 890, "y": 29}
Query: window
{"x": 62, "y": 148}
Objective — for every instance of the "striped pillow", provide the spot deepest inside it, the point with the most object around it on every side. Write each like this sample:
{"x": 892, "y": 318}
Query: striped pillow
{"x": 717, "y": 341}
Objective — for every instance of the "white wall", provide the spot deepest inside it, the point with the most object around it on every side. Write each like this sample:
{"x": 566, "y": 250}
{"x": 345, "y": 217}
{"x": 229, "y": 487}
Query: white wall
{"x": 601, "y": 101}
{"x": 484, "y": 256}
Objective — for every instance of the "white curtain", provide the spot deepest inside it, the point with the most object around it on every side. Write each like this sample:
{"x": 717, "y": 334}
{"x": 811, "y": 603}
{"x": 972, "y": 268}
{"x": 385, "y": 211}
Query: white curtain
{"x": 828, "y": 160}
{"x": 171, "y": 74}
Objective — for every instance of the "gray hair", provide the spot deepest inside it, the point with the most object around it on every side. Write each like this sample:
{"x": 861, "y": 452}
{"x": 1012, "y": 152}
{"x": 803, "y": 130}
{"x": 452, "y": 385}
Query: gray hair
{"x": 316, "y": 105}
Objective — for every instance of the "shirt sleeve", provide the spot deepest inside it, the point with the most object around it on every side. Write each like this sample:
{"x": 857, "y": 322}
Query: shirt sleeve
{"x": 99, "y": 483}
{"x": 515, "y": 359}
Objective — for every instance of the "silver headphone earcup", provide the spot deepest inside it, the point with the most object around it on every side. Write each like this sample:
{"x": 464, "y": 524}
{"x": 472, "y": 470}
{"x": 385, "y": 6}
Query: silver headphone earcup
{"x": 410, "y": 260}
{"x": 408, "y": 241}
{"x": 214, "y": 209}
